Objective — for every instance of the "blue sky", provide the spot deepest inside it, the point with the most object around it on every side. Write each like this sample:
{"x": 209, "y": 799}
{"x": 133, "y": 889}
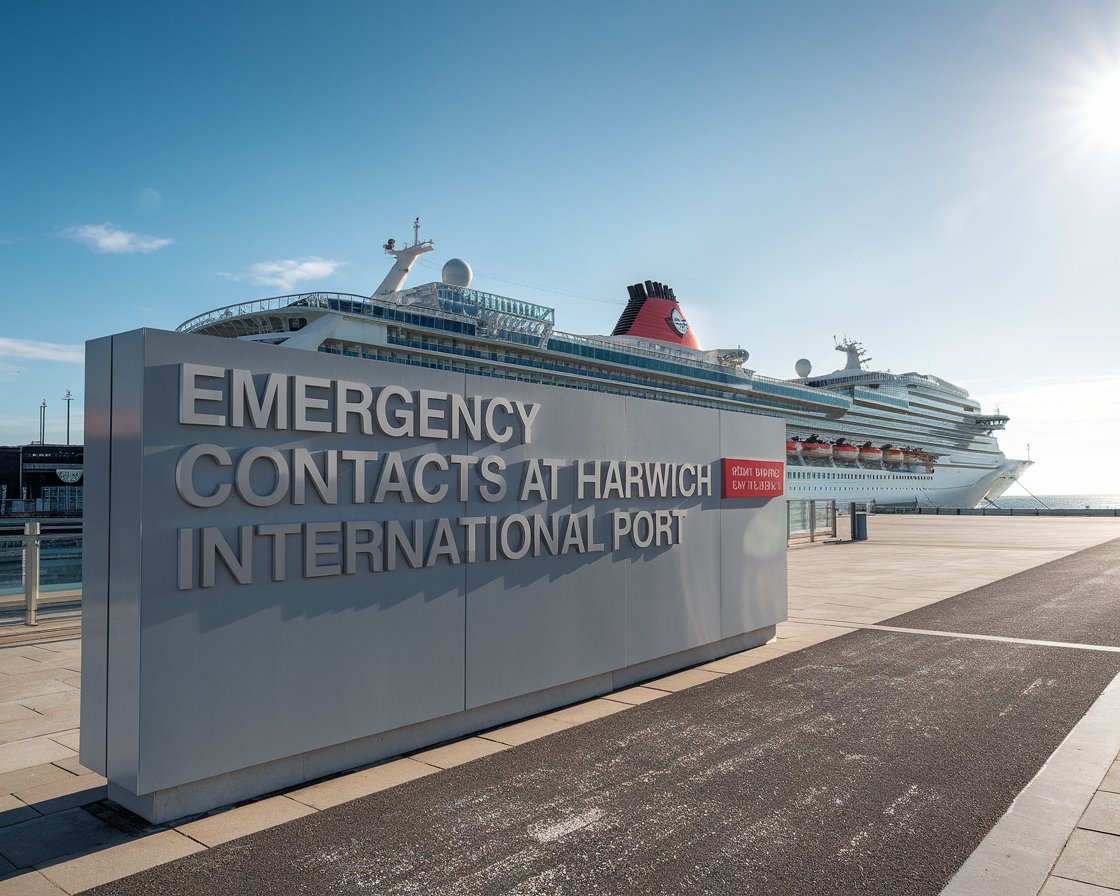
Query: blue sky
{"x": 940, "y": 181}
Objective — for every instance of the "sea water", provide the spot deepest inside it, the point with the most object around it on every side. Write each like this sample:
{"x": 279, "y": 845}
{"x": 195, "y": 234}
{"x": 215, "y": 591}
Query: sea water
{"x": 1057, "y": 502}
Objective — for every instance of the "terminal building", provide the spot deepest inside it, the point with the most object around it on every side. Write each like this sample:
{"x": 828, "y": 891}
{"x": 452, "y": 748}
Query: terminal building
{"x": 41, "y": 480}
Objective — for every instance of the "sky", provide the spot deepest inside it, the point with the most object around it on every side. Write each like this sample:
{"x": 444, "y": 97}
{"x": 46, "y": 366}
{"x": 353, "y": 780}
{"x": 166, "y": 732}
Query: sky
{"x": 939, "y": 181}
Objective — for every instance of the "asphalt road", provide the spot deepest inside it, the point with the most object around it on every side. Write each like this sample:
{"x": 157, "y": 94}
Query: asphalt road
{"x": 873, "y": 764}
{"x": 1072, "y": 599}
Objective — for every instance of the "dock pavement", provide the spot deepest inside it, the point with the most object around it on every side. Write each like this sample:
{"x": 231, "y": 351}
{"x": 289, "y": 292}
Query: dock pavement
{"x": 940, "y": 714}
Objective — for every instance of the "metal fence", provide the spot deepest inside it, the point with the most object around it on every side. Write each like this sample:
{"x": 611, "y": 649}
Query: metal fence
{"x": 40, "y": 568}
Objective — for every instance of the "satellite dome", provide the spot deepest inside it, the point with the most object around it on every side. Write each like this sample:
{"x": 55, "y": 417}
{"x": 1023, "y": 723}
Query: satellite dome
{"x": 457, "y": 273}
{"x": 803, "y": 367}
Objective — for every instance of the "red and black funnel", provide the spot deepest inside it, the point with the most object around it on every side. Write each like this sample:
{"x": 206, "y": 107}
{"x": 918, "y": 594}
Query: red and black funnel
{"x": 654, "y": 313}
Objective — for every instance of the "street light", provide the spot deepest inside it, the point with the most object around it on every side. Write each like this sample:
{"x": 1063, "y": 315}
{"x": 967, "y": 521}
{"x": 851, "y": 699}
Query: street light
{"x": 43, "y": 422}
{"x": 68, "y": 398}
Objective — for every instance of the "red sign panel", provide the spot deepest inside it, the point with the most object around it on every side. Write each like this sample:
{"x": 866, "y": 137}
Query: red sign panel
{"x": 744, "y": 478}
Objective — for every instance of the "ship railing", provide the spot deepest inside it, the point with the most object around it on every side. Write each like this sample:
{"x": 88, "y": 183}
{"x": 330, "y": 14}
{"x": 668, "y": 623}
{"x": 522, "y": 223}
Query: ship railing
{"x": 462, "y": 300}
{"x": 651, "y": 350}
{"x": 471, "y": 305}
{"x": 917, "y": 379}
{"x": 275, "y": 303}
{"x": 803, "y": 393}
{"x": 495, "y": 314}
{"x": 40, "y": 569}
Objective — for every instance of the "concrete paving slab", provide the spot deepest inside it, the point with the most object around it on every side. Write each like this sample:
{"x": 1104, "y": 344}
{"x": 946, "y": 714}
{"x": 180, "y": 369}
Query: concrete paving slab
{"x": 79, "y": 790}
{"x": 69, "y": 738}
{"x": 14, "y": 712}
{"x": 72, "y": 766}
{"x": 466, "y": 750}
{"x": 43, "y": 839}
{"x": 60, "y": 701}
{"x": 523, "y": 732}
{"x": 44, "y": 655}
{"x": 635, "y": 695}
{"x": 34, "y": 776}
{"x": 1111, "y": 780}
{"x": 33, "y": 684}
{"x": 29, "y": 883}
{"x": 590, "y": 710}
{"x": 13, "y": 663}
{"x": 1059, "y": 886}
{"x": 55, "y": 723}
{"x": 244, "y": 820}
{"x": 13, "y": 810}
{"x": 361, "y": 783}
{"x": 28, "y": 753}
{"x": 1091, "y": 857}
{"x": 1103, "y": 813}
{"x": 739, "y": 661}
{"x": 84, "y": 872}
{"x": 688, "y": 678}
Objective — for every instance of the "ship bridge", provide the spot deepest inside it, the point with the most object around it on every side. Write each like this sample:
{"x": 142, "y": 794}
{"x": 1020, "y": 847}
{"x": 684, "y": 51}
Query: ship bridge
{"x": 990, "y": 421}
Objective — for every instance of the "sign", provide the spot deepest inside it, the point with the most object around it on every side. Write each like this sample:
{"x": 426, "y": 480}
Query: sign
{"x": 747, "y": 478}
{"x": 312, "y": 562}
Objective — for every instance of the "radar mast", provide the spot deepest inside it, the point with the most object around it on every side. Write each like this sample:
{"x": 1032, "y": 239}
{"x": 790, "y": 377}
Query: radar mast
{"x": 405, "y": 256}
{"x": 857, "y": 357}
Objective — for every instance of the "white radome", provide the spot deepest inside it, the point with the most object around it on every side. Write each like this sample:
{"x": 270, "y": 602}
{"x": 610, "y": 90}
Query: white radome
{"x": 803, "y": 367}
{"x": 457, "y": 273}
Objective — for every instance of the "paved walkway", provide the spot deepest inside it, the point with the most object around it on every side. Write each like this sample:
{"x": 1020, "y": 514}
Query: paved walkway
{"x": 57, "y": 835}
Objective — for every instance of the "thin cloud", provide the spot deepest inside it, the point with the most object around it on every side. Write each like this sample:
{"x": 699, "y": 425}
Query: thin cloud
{"x": 108, "y": 240}
{"x": 287, "y": 272}
{"x": 40, "y": 351}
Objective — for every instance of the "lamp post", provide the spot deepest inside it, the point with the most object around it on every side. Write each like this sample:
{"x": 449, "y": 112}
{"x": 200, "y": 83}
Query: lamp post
{"x": 68, "y": 398}
{"x": 43, "y": 422}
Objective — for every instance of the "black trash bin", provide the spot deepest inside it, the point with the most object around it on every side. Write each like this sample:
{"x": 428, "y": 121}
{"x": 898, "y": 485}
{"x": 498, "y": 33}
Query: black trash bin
{"x": 859, "y": 522}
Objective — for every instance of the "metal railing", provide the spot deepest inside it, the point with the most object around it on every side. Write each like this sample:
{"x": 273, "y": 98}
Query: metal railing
{"x": 1002, "y": 511}
{"x": 40, "y": 567}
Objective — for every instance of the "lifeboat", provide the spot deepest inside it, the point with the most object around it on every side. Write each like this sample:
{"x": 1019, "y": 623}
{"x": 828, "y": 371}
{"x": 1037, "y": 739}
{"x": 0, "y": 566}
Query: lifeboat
{"x": 816, "y": 450}
{"x": 845, "y": 453}
{"x": 913, "y": 456}
{"x": 870, "y": 455}
{"x": 892, "y": 455}
{"x": 793, "y": 448}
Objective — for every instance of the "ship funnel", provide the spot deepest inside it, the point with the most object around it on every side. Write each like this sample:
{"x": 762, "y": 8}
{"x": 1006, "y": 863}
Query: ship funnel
{"x": 654, "y": 313}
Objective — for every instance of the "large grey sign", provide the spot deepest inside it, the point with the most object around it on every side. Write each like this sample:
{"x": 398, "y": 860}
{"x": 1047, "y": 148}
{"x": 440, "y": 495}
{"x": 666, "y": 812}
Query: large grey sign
{"x": 297, "y": 562}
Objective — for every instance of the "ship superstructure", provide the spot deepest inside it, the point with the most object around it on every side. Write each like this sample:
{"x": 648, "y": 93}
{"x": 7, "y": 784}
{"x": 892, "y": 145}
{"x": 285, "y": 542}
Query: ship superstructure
{"x": 853, "y": 434}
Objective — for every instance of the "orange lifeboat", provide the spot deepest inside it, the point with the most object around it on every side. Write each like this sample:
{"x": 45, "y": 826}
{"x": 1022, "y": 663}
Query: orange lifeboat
{"x": 793, "y": 447}
{"x": 892, "y": 455}
{"x": 913, "y": 456}
{"x": 870, "y": 455}
{"x": 816, "y": 450}
{"x": 845, "y": 453}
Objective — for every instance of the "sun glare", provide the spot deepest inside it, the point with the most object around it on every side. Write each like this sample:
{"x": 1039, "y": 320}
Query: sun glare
{"x": 1100, "y": 109}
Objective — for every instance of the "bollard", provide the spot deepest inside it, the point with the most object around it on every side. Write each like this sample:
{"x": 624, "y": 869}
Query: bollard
{"x": 31, "y": 533}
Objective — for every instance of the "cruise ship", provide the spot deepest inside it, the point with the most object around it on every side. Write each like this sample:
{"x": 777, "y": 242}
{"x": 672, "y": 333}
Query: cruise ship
{"x": 854, "y": 434}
